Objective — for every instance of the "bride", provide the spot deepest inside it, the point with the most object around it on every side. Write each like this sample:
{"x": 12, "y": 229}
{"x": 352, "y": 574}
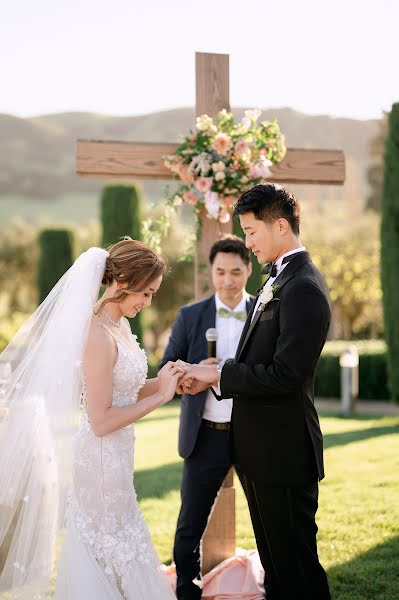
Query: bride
{"x": 56, "y": 468}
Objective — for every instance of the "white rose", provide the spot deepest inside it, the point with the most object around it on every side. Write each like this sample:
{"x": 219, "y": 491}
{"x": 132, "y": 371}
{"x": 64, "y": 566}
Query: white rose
{"x": 253, "y": 114}
{"x": 204, "y": 122}
{"x": 219, "y": 175}
{"x": 266, "y": 295}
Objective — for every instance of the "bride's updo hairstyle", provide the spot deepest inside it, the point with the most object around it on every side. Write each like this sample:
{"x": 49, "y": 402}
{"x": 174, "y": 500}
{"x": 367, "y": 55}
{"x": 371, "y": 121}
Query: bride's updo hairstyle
{"x": 133, "y": 263}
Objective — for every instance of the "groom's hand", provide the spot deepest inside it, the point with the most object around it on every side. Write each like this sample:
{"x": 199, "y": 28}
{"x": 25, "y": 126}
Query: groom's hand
{"x": 210, "y": 361}
{"x": 198, "y": 378}
{"x": 191, "y": 386}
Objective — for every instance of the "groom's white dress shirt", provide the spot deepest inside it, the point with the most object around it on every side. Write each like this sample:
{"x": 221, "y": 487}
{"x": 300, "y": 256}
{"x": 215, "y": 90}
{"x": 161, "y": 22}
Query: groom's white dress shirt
{"x": 280, "y": 268}
{"x": 229, "y": 332}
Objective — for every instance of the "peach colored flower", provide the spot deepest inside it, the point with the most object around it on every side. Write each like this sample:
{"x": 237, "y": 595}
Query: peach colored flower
{"x": 219, "y": 176}
{"x": 203, "y": 184}
{"x": 218, "y": 166}
{"x": 229, "y": 201}
{"x": 222, "y": 143}
{"x": 190, "y": 197}
{"x": 224, "y": 215}
{"x": 185, "y": 174}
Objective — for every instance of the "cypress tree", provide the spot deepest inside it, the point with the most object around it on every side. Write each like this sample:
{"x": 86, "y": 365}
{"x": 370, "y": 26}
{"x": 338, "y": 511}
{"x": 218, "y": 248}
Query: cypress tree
{"x": 121, "y": 216}
{"x": 390, "y": 249}
{"x": 56, "y": 256}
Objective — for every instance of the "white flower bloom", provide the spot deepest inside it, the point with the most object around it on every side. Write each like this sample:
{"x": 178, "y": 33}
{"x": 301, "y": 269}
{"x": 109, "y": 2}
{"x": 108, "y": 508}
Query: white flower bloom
{"x": 266, "y": 295}
{"x": 253, "y": 114}
{"x": 178, "y": 200}
{"x": 219, "y": 175}
{"x": 212, "y": 204}
{"x": 204, "y": 122}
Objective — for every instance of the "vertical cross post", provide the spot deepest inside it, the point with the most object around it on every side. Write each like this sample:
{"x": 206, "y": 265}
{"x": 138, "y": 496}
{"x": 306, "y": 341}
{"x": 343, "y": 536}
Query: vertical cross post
{"x": 212, "y": 95}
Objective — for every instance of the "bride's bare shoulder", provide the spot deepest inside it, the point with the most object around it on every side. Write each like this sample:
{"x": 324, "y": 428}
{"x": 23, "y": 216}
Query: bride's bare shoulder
{"x": 99, "y": 338}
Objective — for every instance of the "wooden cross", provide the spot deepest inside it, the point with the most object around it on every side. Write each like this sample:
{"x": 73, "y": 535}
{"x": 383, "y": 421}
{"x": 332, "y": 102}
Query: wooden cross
{"x": 145, "y": 161}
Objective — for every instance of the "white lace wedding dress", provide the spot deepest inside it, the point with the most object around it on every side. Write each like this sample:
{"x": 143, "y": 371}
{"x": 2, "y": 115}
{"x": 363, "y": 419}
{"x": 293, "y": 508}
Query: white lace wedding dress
{"x": 108, "y": 553}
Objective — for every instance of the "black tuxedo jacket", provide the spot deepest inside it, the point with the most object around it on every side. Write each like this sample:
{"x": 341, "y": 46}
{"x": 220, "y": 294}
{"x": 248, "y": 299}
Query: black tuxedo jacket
{"x": 275, "y": 430}
{"x": 188, "y": 343}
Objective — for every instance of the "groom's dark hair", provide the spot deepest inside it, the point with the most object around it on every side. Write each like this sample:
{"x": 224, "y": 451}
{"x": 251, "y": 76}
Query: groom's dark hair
{"x": 270, "y": 202}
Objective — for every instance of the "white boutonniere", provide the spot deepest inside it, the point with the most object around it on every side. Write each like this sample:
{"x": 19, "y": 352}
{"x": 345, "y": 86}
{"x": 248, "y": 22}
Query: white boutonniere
{"x": 267, "y": 295}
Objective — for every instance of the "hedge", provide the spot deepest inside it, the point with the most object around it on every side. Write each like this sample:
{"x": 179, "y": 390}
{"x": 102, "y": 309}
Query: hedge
{"x": 373, "y": 380}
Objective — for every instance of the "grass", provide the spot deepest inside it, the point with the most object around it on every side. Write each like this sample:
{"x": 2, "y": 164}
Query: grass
{"x": 358, "y": 515}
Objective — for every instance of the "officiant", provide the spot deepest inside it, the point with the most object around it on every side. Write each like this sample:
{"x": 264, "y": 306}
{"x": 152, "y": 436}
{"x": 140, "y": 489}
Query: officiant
{"x": 204, "y": 421}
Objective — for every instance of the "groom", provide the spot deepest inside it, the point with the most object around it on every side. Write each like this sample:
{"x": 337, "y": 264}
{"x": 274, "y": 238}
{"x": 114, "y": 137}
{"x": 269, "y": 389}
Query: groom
{"x": 276, "y": 439}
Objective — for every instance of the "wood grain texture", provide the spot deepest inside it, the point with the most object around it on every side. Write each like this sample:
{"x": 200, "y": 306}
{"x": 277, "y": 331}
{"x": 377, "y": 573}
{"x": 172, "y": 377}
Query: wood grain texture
{"x": 219, "y": 539}
{"x": 310, "y": 166}
{"x": 96, "y": 158}
{"x": 144, "y": 160}
{"x": 212, "y": 83}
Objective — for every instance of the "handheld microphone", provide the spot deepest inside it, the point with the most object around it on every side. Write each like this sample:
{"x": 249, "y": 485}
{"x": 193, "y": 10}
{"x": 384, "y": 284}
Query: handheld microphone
{"x": 211, "y": 335}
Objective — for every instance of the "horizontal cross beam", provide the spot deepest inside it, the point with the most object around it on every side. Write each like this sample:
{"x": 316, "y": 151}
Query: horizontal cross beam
{"x": 145, "y": 161}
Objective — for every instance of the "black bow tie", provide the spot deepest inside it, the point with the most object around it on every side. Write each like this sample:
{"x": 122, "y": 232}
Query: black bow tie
{"x": 271, "y": 268}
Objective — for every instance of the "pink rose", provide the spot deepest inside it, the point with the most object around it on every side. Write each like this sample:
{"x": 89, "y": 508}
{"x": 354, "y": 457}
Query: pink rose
{"x": 203, "y": 184}
{"x": 241, "y": 146}
{"x": 190, "y": 197}
{"x": 222, "y": 143}
{"x": 260, "y": 170}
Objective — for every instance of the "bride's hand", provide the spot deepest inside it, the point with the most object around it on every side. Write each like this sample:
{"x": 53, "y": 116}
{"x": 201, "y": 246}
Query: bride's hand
{"x": 168, "y": 378}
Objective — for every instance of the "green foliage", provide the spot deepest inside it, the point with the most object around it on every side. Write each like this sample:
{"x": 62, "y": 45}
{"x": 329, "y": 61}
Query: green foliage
{"x": 373, "y": 384}
{"x": 390, "y": 249}
{"x": 375, "y": 173}
{"x": 121, "y": 216}
{"x": 9, "y": 327}
{"x": 349, "y": 261}
{"x": 176, "y": 290}
{"x": 256, "y": 278}
{"x": 56, "y": 256}
{"x": 120, "y": 212}
{"x": 18, "y": 262}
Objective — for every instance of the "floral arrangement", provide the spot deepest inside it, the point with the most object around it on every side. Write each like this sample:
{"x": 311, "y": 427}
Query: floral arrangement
{"x": 222, "y": 159}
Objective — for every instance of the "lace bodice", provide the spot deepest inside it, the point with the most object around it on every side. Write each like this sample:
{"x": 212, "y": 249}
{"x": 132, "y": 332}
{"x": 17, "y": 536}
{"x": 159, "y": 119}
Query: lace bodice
{"x": 128, "y": 377}
{"x": 103, "y": 504}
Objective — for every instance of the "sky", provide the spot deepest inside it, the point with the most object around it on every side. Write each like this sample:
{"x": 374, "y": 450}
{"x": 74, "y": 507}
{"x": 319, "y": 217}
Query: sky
{"x": 129, "y": 57}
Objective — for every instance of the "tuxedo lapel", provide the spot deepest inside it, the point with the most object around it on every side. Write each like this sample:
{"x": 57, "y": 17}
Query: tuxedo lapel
{"x": 209, "y": 315}
{"x": 288, "y": 273}
{"x": 249, "y": 330}
{"x": 250, "y": 310}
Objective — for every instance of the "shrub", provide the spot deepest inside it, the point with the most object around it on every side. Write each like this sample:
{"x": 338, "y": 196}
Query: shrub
{"x": 372, "y": 370}
{"x": 56, "y": 256}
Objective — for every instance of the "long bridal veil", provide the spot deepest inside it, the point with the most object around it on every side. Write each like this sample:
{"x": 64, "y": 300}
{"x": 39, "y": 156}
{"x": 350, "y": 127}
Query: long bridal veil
{"x": 41, "y": 402}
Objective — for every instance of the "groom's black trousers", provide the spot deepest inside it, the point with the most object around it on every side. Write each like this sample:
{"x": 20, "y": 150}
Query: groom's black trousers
{"x": 285, "y": 529}
{"x": 203, "y": 475}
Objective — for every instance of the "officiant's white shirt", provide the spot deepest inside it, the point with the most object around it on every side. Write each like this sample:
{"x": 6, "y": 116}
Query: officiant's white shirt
{"x": 229, "y": 332}
{"x": 280, "y": 268}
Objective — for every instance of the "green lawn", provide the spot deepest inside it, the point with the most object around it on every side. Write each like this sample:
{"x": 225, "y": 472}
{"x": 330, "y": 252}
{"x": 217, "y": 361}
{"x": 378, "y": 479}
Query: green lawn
{"x": 358, "y": 516}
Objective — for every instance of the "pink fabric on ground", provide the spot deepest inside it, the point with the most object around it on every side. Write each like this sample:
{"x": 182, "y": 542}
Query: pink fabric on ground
{"x": 237, "y": 578}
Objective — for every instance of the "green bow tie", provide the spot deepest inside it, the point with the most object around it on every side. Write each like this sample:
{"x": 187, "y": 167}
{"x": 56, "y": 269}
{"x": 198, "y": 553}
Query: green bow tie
{"x": 225, "y": 313}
